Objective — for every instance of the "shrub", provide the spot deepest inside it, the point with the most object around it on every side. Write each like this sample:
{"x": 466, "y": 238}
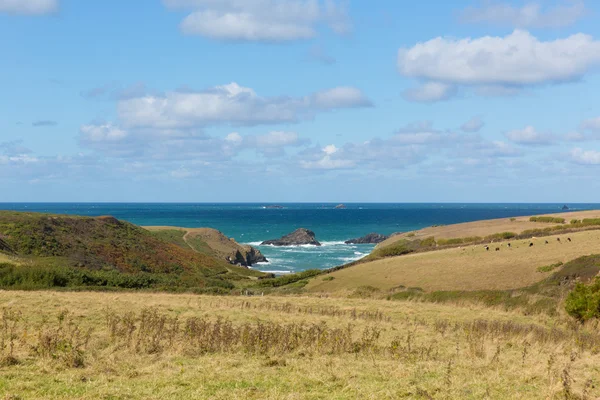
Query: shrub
{"x": 575, "y": 221}
{"x": 548, "y": 220}
{"x": 548, "y": 268}
{"x": 291, "y": 278}
{"x": 583, "y": 302}
{"x": 501, "y": 236}
{"x": 428, "y": 242}
{"x": 328, "y": 278}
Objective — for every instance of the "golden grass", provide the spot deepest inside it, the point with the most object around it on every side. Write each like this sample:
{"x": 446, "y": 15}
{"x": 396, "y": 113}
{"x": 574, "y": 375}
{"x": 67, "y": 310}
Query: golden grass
{"x": 488, "y": 227}
{"x": 422, "y": 351}
{"x": 466, "y": 268}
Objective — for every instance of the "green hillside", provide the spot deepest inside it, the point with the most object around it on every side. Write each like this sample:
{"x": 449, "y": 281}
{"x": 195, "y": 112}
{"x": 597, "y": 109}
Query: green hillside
{"x": 103, "y": 251}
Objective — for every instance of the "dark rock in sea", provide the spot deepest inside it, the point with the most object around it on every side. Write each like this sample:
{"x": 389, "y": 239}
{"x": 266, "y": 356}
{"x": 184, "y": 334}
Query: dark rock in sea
{"x": 371, "y": 238}
{"x": 340, "y": 206}
{"x": 298, "y": 237}
{"x": 565, "y": 207}
{"x": 275, "y": 206}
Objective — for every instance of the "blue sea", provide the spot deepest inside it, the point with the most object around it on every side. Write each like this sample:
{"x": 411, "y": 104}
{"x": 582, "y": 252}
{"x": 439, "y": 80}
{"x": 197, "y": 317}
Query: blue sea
{"x": 253, "y": 223}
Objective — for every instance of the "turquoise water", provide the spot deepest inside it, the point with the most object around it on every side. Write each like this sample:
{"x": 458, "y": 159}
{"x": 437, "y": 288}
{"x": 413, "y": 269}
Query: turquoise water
{"x": 253, "y": 223}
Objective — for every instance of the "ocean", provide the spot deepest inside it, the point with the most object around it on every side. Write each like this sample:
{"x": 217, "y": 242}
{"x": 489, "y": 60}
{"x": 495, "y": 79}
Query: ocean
{"x": 253, "y": 223}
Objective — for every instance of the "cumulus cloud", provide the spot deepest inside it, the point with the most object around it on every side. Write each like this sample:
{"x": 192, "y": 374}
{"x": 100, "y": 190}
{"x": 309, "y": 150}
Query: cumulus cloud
{"x": 271, "y": 144}
{"x": 585, "y": 157}
{"x": 231, "y": 104}
{"x": 430, "y": 92}
{"x": 531, "y": 14}
{"x": 260, "y": 20}
{"x": 327, "y": 160}
{"x": 28, "y": 7}
{"x": 529, "y": 136}
{"x": 473, "y": 125}
{"x": 511, "y": 62}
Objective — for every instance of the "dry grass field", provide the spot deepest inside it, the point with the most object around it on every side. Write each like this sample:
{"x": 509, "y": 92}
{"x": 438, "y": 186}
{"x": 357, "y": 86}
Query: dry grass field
{"x": 155, "y": 346}
{"x": 465, "y": 268}
{"x": 488, "y": 227}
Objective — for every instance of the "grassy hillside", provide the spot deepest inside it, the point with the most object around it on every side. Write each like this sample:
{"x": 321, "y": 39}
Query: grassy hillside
{"x": 485, "y": 228}
{"x": 59, "y": 250}
{"x": 156, "y": 346}
{"x": 466, "y": 267}
{"x": 210, "y": 242}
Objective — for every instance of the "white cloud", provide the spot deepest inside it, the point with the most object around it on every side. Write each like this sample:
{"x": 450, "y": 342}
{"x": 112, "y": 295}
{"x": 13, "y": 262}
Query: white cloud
{"x": 513, "y": 61}
{"x": 531, "y": 14}
{"x": 430, "y": 92}
{"x": 28, "y": 7}
{"x": 586, "y": 157}
{"x": 102, "y": 133}
{"x": 230, "y": 104}
{"x": 473, "y": 125}
{"x": 529, "y": 136}
{"x": 260, "y": 20}
{"x": 327, "y": 161}
{"x": 340, "y": 97}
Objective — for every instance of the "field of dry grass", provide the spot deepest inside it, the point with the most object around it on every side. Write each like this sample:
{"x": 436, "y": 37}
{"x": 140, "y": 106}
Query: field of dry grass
{"x": 154, "y": 346}
{"x": 464, "y": 268}
{"x": 487, "y": 227}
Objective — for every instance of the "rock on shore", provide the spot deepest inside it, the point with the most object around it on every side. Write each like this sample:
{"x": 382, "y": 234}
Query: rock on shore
{"x": 296, "y": 238}
{"x": 371, "y": 238}
{"x": 224, "y": 247}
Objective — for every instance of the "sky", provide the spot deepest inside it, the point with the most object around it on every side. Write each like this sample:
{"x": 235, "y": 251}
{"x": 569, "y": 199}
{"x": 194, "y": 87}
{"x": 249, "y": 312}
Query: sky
{"x": 299, "y": 101}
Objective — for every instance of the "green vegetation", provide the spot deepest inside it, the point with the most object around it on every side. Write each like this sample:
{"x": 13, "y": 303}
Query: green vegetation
{"x": 544, "y": 297}
{"x": 58, "y": 251}
{"x": 290, "y": 279}
{"x": 583, "y": 302}
{"x": 554, "y": 220}
{"x": 328, "y": 278}
{"x": 548, "y": 268}
{"x": 456, "y": 241}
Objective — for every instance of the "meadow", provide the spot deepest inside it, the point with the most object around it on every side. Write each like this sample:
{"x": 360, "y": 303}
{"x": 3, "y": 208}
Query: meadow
{"x": 467, "y": 267}
{"x": 91, "y": 345}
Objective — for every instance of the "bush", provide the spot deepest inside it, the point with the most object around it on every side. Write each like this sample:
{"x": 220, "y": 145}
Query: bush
{"x": 548, "y": 220}
{"x": 291, "y": 278}
{"x": 501, "y": 236}
{"x": 548, "y": 268}
{"x": 583, "y": 302}
{"x": 575, "y": 221}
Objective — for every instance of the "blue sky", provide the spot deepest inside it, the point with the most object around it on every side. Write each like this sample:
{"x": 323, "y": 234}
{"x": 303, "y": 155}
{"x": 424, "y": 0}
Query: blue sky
{"x": 299, "y": 100}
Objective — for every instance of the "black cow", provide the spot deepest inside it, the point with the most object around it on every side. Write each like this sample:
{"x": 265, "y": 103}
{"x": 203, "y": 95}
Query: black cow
{"x": 530, "y": 244}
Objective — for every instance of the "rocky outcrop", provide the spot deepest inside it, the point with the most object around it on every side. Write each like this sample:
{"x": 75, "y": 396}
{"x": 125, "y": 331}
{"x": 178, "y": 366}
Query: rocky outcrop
{"x": 296, "y": 238}
{"x": 340, "y": 206}
{"x": 371, "y": 238}
{"x": 223, "y": 247}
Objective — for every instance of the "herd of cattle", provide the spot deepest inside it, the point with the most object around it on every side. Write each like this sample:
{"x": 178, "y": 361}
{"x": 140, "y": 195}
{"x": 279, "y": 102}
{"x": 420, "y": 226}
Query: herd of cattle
{"x": 487, "y": 247}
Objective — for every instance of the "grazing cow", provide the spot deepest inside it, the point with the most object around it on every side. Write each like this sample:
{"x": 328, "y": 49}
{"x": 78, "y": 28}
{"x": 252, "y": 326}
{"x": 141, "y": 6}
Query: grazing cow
{"x": 508, "y": 244}
{"x": 546, "y": 241}
{"x": 558, "y": 239}
{"x": 569, "y": 239}
{"x": 497, "y": 248}
{"x": 487, "y": 248}
{"x": 530, "y": 244}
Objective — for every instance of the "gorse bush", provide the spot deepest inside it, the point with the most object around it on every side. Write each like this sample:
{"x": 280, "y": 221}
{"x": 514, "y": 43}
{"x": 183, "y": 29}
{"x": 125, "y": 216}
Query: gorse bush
{"x": 583, "y": 302}
{"x": 48, "y": 277}
{"x": 288, "y": 279}
{"x": 555, "y": 220}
